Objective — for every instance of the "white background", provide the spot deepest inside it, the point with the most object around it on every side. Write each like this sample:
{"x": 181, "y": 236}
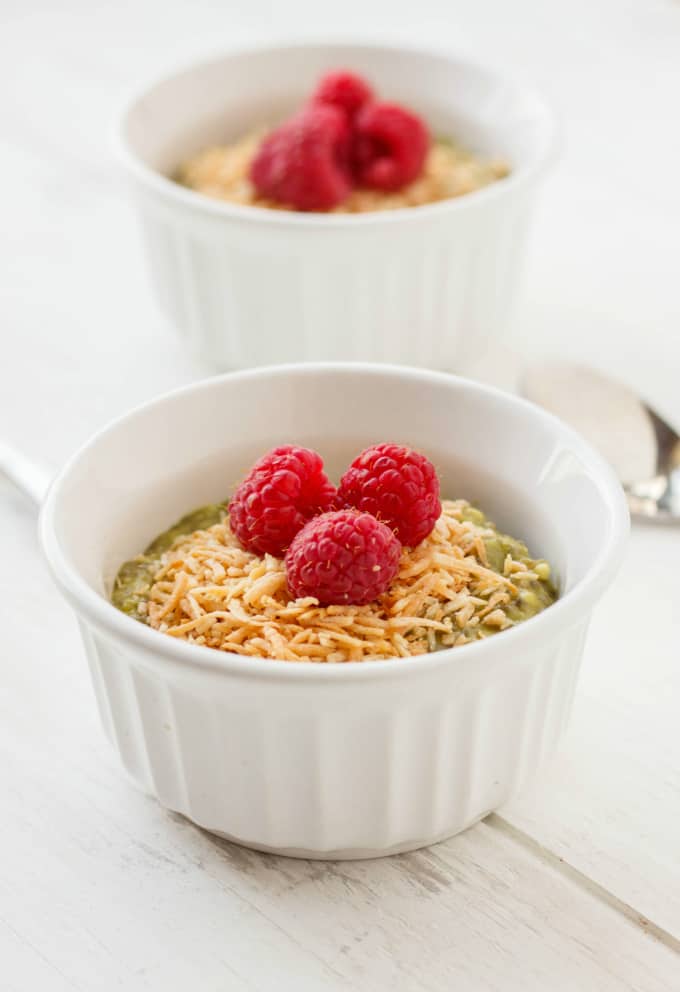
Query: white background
{"x": 576, "y": 885}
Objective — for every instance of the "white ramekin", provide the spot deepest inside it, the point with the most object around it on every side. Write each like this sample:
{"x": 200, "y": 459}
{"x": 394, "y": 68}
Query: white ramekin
{"x": 426, "y": 286}
{"x": 322, "y": 760}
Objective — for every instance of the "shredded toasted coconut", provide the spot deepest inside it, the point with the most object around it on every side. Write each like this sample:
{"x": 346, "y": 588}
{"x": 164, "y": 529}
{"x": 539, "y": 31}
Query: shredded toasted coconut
{"x": 222, "y": 172}
{"x": 209, "y": 591}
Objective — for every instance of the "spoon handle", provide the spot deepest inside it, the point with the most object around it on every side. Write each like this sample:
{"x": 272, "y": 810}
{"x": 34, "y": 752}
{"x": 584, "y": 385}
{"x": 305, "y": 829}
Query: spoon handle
{"x": 28, "y": 477}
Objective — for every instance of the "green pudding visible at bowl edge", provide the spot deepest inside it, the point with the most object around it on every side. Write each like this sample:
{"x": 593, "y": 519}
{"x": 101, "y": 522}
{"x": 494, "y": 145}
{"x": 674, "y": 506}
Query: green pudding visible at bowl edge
{"x": 135, "y": 578}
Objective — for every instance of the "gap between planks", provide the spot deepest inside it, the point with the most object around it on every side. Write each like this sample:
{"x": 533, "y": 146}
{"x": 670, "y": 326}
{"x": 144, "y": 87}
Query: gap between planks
{"x": 553, "y": 860}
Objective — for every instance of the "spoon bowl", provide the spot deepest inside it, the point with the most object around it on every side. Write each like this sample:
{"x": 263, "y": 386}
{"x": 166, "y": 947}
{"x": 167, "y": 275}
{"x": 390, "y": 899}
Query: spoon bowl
{"x": 643, "y": 449}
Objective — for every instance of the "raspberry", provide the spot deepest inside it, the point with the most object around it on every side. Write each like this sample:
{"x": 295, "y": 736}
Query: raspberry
{"x": 278, "y": 496}
{"x": 344, "y": 90}
{"x": 398, "y": 486}
{"x": 342, "y": 557}
{"x": 389, "y": 146}
{"x": 304, "y": 163}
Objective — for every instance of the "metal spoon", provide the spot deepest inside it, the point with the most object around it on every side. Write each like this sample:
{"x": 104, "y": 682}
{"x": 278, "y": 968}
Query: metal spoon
{"x": 642, "y": 448}
{"x": 28, "y": 477}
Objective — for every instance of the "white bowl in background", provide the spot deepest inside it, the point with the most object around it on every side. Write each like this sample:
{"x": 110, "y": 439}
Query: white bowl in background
{"x": 427, "y": 286}
{"x": 314, "y": 759}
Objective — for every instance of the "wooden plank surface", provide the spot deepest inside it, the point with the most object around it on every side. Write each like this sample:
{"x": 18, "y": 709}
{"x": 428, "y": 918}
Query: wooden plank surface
{"x": 610, "y": 803}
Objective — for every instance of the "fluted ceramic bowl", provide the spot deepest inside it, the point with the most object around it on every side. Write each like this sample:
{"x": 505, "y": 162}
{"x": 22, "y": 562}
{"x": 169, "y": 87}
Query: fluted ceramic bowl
{"x": 430, "y": 286}
{"x": 334, "y": 760}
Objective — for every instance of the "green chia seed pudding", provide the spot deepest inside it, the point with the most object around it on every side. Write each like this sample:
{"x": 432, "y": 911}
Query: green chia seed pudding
{"x": 465, "y": 582}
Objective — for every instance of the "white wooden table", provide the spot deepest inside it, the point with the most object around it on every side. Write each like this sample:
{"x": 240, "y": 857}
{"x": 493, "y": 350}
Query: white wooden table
{"x": 574, "y": 886}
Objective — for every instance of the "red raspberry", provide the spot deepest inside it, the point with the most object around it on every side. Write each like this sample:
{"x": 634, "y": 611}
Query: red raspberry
{"x": 344, "y": 90}
{"x": 282, "y": 491}
{"x": 304, "y": 162}
{"x": 342, "y": 557}
{"x": 389, "y": 147}
{"x": 398, "y": 486}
